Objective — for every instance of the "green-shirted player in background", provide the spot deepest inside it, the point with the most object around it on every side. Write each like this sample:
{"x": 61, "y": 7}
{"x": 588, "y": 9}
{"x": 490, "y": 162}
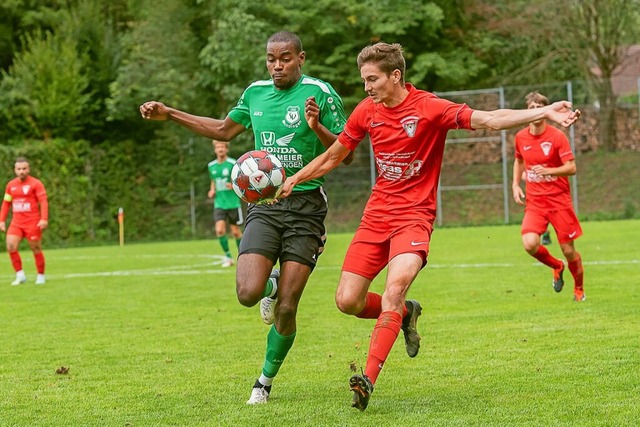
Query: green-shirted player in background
{"x": 286, "y": 123}
{"x": 226, "y": 204}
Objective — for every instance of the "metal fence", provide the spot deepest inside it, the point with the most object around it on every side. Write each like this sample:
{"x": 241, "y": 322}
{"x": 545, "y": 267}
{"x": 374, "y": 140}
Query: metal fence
{"x": 475, "y": 185}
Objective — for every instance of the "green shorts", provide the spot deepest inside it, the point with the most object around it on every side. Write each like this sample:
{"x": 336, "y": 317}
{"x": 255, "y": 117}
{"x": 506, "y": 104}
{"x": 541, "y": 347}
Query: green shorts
{"x": 290, "y": 230}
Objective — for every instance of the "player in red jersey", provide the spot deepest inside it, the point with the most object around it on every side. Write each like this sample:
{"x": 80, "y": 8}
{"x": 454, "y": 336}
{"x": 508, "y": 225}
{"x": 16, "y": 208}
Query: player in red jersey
{"x": 24, "y": 194}
{"x": 407, "y": 128}
{"x": 544, "y": 155}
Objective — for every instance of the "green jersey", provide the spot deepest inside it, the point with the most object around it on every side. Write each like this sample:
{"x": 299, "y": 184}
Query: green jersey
{"x": 220, "y": 175}
{"x": 279, "y": 125}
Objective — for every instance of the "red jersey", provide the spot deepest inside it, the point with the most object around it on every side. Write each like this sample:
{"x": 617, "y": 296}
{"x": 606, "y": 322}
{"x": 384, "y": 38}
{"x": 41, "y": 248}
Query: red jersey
{"x": 408, "y": 143}
{"x": 550, "y": 149}
{"x": 24, "y": 197}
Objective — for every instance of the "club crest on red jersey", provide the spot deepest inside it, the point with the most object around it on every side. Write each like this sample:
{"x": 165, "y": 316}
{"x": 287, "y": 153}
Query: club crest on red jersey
{"x": 546, "y": 147}
{"x": 409, "y": 124}
{"x": 25, "y": 189}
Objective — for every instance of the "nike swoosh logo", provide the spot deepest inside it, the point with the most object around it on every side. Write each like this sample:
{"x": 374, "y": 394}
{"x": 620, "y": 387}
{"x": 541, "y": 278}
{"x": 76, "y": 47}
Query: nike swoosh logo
{"x": 374, "y": 125}
{"x": 573, "y": 234}
{"x": 526, "y": 147}
{"x": 414, "y": 243}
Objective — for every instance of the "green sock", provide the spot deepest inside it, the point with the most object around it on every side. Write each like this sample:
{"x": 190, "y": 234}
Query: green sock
{"x": 268, "y": 287}
{"x": 224, "y": 242}
{"x": 277, "y": 348}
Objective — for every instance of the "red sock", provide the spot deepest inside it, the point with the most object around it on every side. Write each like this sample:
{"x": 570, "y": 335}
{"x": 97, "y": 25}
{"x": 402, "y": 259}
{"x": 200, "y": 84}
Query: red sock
{"x": 39, "y": 262}
{"x": 544, "y": 256}
{"x": 575, "y": 267}
{"x": 16, "y": 261}
{"x": 373, "y": 307}
{"x": 382, "y": 339}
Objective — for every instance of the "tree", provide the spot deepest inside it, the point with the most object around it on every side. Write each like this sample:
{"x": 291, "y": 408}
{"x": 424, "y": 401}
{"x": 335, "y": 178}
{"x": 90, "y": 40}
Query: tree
{"x": 602, "y": 28}
{"x": 45, "y": 91}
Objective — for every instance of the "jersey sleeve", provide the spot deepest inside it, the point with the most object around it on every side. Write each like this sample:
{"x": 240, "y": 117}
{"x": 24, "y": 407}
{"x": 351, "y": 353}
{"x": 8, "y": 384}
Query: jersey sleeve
{"x": 240, "y": 113}
{"x": 516, "y": 143}
{"x": 564, "y": 148}
{"x": 454, "y": 116}
{"x": 356, "y": 127}
{"x": 332, "y": 112}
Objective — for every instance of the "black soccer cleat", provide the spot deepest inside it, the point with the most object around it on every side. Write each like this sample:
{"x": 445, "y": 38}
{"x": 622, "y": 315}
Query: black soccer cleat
{"x": 411, "y": 336}
{"x": 558, "y": 281}
{"x": 362, "y": 388}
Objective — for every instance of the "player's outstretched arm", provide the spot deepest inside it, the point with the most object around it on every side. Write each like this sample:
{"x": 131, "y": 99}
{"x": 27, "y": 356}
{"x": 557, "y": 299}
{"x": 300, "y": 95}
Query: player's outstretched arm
{"x": 559, "y": 112}
{"x": 223, "y": 130}
{"x": 318, "y": 167}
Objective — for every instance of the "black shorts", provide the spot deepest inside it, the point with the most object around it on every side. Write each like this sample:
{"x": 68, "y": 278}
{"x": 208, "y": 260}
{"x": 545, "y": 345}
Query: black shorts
{"x": 232, "y": 216}
{"x": 290, "y": 230}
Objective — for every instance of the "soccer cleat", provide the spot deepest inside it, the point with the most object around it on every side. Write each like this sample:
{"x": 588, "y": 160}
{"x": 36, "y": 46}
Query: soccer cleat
{"x": 259, "y": 394}
{"x": 40, "y": 280}
{"x": 558, "y": 281}
{"x": 268, "y": 304}
{"x": 228, "y": 262}
{"x": 20, "y": 279}
{"x": 546, "y": 238}
{"x": 362, "y": 388}
{"x": 578, "y": 295}
{"x": 411, "y": 336}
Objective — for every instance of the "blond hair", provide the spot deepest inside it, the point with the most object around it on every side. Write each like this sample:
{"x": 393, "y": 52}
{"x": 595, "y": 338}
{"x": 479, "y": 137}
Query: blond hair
{"x": 217, "y": 141}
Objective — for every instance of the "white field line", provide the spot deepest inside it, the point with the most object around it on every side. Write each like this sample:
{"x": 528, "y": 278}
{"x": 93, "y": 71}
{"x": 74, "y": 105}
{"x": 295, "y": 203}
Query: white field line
{"x": 213, "y": 262}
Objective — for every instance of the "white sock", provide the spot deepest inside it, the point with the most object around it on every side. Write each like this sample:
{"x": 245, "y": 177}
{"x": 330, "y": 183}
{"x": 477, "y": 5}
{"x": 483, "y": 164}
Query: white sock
{"x": 265, "y": 380}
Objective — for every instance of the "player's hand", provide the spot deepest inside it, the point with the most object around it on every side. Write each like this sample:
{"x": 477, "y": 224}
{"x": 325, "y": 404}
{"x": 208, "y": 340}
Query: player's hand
{"x": 287, "y": 187}
{"x": 211, "y": 193}
{"x": 518, "y": 195}
{"x": 312, "y": 112}
{"x": 154, "y": 110}
{"x": 541, "y": 171}
{"x": 3, "y": 226}
{"x": 562, "y": 113}
{"x": 42, "y": 224}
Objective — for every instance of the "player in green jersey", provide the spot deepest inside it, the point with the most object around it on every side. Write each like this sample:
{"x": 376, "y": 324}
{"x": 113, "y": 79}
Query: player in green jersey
{"x": 296, "y": 118}
{"x": 226, "y": 204}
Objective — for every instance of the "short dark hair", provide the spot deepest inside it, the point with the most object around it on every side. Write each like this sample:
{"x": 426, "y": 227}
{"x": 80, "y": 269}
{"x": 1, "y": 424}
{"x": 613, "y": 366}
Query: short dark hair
{"x": 286, "y": 37}
{"x": 388, "y": 57}
{"x": 22, "y": 159}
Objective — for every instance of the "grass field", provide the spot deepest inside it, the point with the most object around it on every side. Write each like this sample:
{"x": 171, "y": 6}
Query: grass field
{"x": 152, "y": 335}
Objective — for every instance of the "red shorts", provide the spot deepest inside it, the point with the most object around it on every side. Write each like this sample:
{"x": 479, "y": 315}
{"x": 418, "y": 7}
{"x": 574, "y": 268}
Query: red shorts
{"x": 564, "y": 221}
{"x": 378, "y": 240}
{"x": 32, "y": 232}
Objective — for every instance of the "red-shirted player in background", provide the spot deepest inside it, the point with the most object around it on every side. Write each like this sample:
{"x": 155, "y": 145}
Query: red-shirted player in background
{"x": 408, "y": 129}
{"x": 24, "y": 193}
{"x": 544, "y": 155}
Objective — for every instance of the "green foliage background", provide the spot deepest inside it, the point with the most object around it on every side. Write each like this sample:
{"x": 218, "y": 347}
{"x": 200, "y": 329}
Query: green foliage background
{"x": 73, "y": 74}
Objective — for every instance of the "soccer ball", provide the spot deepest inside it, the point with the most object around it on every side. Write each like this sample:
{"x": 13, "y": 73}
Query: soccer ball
{"x": 257, "y": 177}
